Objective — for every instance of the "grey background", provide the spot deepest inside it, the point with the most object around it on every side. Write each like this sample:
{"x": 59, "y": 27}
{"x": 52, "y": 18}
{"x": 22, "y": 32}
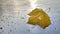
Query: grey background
{"x": 13, "y": 17}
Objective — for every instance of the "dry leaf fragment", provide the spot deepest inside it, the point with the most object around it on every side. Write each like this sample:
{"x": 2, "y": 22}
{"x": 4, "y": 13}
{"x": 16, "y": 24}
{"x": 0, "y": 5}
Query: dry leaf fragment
{"x": 39, "y": 17}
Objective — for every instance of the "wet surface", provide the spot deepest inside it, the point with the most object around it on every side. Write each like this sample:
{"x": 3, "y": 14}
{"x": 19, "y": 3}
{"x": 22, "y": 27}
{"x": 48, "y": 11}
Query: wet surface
{"x": 13, "y": 17}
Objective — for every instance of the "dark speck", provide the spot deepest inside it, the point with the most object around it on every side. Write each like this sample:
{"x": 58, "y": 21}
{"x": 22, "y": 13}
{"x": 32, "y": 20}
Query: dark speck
{"x": 12, "y": 22}
{"x": 22, "y": 17}
{"x": 1, "y": 20}
{"x": 10, "y": 30}
{"x": 3, "y": 31}
{"x": 6, "y": 18}
{"x": 55, "y": 28}
{"x": 28, "y": 30}
{"x": 3, "y": 16}
{"x": 0, "y": 27}
{"x": 8, "y": 25}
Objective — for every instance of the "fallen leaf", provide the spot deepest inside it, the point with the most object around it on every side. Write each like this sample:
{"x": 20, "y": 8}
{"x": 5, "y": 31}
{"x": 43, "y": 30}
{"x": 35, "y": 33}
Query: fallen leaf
{"x": 39, "y": 17}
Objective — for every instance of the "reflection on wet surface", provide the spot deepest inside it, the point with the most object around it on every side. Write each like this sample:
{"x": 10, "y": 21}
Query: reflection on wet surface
{"x": 11, "y": 12}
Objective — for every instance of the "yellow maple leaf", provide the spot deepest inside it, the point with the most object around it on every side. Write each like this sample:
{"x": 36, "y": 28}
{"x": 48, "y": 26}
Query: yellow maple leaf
{"x": 39, "y": 17}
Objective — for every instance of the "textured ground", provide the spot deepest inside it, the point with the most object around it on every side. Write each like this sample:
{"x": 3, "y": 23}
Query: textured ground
{"x": 13, "y": 17}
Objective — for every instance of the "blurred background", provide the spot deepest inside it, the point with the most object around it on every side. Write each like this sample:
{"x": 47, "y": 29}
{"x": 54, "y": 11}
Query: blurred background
{"x": 13, "y": 16}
